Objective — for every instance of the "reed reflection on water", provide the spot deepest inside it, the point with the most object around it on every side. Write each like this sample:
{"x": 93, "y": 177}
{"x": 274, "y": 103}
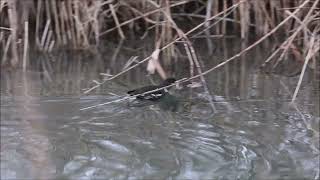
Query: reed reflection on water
{"x": 255, "y": 134}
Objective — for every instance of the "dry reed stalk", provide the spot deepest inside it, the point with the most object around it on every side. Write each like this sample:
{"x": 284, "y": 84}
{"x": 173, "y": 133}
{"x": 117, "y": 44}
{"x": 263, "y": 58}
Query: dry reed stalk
{"x": 77, "y": 23}
{"x": 139, "y": 17}
{"x": 244, "y": 19}
{"x": 1, "y": 36}
{"x": 106, "y": 103}
{"x": 85, "y": 12}
{"x": 216, "y": 11}
{"x": 203, "y": 80}
{"x": 207, "y": 25}
{"x": 157, "y": 27}
{"x": 65, "y": 18}
{"x": 47, "y": 41}
{"x": 51, "y": 46}
{"x": 44, "y": 35}
{"x": 286, "y": 4}
{"x": 114, "y": 15}
{"x": 128, "y": 64}
{"x": 231, "y": 8}
{"x": 226, "y": 75}
{"x": 190, "y": 59}
{"x": 293, "y": 36}
{"x": 62, "y": 25}
{"x": 116, "y": 52}
{"x": 299, "y": 22}
{"x": 255, "y": 43}
{"x": 313, "y": 49}
{"x": 84, "y": 42}
{"x": 224, "y": 24}
{"x": 12, "y": 12}
{"x": 307, "y": 125}
{"x": 4, "y": 56}
{"x": 167, "y": 35}
{"x": 273, "y": 11}
{"x": 258, "y": 17}
{"x": 139, "y": 13}
{"x": 81, "y": 29}
{"x": 38, "y": 22}
{"x": 272, "y": 56}
{"x": 71, "y": 23}
{"x": 2, "y": 42}
{"x": 56, "y": 21}
{"x": 262, "y": 19}
{"x": 269, "y": 22}
{"x": 26, "y": 43}
{"x": 95, "y": 20}
{"x": 204, "y": 16}
{"x": 48, "y": 11}
{"x": 225, "y": 13}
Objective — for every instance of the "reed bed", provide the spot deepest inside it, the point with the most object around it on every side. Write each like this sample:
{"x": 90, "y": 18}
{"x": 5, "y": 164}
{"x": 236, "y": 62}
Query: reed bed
{"x": 78, "y": 24}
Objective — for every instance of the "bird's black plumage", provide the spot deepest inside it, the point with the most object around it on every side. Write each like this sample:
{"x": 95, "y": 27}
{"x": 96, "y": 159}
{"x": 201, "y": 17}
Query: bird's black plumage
{"x": 152, "y": 96}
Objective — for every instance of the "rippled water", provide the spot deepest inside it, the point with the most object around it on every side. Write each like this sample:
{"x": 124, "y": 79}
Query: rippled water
{"x": 255, "y": 134}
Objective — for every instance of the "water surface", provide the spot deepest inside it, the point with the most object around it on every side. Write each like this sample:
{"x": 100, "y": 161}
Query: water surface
{"x": 255, "y": 134}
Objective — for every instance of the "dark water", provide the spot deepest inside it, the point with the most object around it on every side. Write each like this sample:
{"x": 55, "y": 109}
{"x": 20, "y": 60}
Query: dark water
{"x": 255, "y": 134}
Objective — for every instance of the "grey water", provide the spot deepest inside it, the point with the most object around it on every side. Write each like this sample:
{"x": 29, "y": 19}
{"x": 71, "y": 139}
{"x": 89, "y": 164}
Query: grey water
{"x": 256, "y": 133}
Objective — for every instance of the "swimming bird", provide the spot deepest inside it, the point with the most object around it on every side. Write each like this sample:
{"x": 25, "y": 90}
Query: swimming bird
{"x": 155, "y": 95}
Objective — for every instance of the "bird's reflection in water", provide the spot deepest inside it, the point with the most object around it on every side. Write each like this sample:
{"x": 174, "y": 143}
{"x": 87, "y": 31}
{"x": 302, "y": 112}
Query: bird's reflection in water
{"x": 167, "y": 102}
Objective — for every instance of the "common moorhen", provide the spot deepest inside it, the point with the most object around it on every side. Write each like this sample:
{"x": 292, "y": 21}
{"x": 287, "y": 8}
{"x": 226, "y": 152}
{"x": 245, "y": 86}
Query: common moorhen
{"x": 152, "y": 96}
